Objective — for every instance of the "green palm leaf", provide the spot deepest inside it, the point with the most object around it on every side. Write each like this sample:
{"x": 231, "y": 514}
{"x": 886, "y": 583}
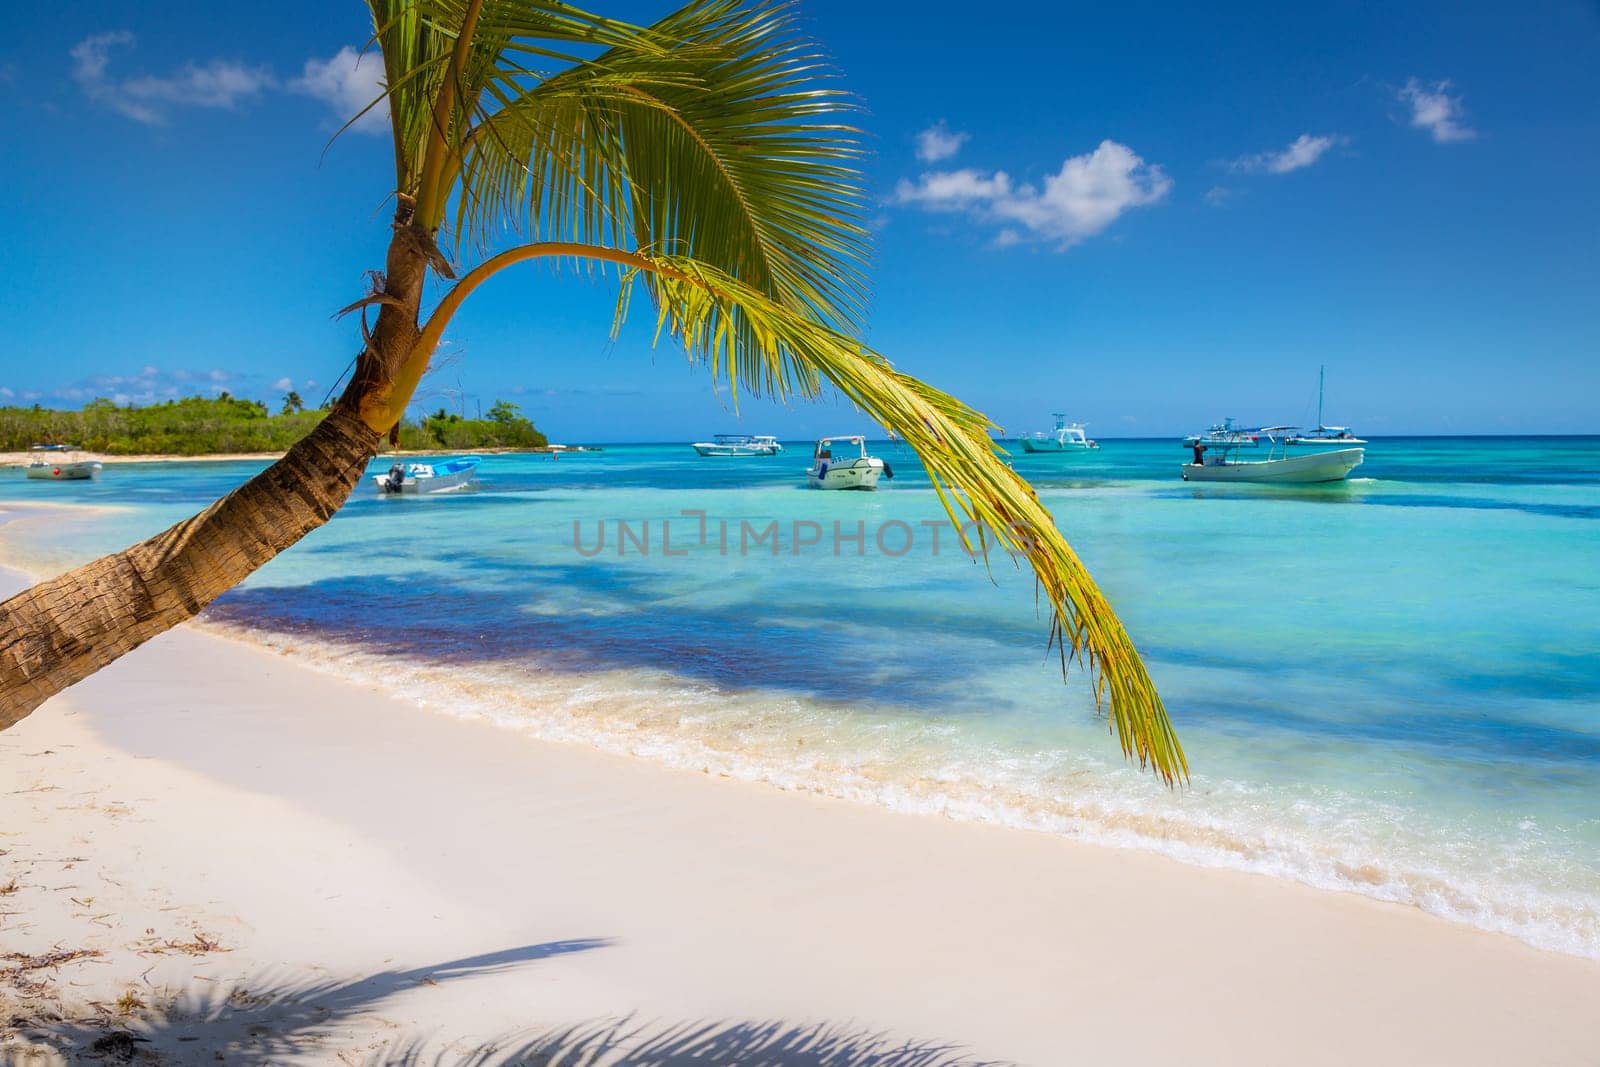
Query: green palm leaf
{"x": 710, "y": 157}
{"x": 696, "y": 302}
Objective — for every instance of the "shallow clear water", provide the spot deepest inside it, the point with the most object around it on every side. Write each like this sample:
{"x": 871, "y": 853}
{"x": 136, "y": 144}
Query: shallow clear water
{"x": 1390, "y": 685}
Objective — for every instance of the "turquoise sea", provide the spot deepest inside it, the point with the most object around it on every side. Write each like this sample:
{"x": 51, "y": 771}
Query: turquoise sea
{"x": 1389, "y": 686}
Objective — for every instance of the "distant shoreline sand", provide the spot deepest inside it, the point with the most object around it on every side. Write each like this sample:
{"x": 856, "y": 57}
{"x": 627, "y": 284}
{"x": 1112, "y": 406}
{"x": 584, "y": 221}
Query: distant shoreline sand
{"x": 22, "y": 459}
{"x": 274, "y": 862}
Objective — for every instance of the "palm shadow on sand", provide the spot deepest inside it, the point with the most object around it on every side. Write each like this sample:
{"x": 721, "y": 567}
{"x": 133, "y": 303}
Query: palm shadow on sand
{"x": 628, "y": 1043}
{"x": 271, "y": 1019}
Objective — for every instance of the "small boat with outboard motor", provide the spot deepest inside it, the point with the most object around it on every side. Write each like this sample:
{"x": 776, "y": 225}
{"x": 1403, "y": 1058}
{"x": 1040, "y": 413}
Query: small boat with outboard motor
{"x": 1217, "y": 458}
{"x": 438, "y": 477}
{"x": 61, "y": 463}
{"x": 842, "y": 462}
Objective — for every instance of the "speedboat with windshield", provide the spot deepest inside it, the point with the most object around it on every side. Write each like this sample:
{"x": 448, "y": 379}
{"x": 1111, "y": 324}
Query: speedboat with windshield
{"x": 842, "y": 463}
{"x": 1066, "y": 437}
{"x": 61, "y": 463}
{"x": 429, "y": 477}
{"x": 738, "y": 444}
{"x": 1219, "y": 456}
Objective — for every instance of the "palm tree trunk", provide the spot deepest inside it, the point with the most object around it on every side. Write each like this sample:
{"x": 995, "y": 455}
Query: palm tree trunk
{"x": 63, "y": 630}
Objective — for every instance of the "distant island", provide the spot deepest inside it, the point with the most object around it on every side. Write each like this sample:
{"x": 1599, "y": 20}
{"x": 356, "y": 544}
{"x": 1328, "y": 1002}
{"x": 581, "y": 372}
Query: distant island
{"x": 226, "y": 425}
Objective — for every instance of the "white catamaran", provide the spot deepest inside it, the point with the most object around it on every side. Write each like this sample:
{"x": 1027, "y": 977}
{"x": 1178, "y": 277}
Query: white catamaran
{"x": 738, "y": 444}
{"x": 1324, "y": 436}
{"x": 1215, "y": 458}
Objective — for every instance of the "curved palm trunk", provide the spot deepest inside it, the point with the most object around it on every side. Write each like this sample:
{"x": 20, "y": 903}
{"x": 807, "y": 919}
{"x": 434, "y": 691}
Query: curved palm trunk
{"x": 63, "y": 630}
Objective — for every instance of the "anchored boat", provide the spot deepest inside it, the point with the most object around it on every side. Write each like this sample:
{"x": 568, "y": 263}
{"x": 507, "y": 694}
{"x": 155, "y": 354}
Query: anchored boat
{"x": 1066, "y": 437}
{"x": 1324, "y": 436}
{"x": 842, "y": 463}
{"x": 1216, "y": 458}
{"x": 429, "y": 477}
{"x": 61, "y": 463}
{"x": 738, "y": 444}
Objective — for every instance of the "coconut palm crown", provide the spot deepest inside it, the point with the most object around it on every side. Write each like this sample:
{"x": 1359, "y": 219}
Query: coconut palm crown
{"x": 709, "y": 158}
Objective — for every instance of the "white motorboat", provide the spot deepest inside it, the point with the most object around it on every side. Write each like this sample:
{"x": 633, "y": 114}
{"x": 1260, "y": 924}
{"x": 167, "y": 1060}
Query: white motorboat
{"x": 1215, "y": 458}
{"x": 61, "y": 463}
{"x": 428, "y": 477}
{"x": 738, "y": 444}
{"x": 1323, "y": 436}
{"x": 842, "y": 463}
{"x": 1066, "y": 437}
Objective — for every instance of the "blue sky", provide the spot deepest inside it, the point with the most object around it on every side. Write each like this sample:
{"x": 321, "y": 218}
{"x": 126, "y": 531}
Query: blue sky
{"x": 1147, "y": 215}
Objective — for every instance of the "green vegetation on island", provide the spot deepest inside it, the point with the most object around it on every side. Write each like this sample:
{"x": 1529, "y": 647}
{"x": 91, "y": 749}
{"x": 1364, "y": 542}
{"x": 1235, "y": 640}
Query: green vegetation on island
{"x": 503, "y": 427}
{"x": 199, "y": 426}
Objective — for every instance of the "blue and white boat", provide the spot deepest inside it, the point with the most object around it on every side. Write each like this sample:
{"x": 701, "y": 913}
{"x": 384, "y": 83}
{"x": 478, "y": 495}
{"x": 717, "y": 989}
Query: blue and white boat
{"x": 429, "y": 477}
{"x": 841, "y": 462}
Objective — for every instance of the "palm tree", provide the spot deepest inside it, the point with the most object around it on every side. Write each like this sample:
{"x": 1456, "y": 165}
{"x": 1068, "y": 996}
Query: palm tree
{"x": 707, "y": 158}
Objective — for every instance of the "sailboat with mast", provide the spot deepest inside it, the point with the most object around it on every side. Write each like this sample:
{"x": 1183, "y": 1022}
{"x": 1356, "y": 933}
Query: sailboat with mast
{"x": 1324, "y": 436}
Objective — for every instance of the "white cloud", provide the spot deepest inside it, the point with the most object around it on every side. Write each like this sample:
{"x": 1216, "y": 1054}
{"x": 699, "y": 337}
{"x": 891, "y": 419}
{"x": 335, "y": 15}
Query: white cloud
{"x": 347, "y": 82}
{"x": 217, "y": 84}
{"x": 283, "y": 385}
{"x": 1305, "y": 151}
{"x": 1085, "y": 196}
{"x": 151, "y": 385}
{"x": 938, "y": 142}
{"x": 6, "y": 392}
{"x": 91, "y": 55}
{"x": 953, "y": 190}
{"x": 1434, "y": 109}
{"x": 1218, "y": 195}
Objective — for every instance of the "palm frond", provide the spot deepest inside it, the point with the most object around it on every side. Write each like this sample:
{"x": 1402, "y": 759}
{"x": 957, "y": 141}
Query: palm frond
{"x": 714, "y": 143}
{"x": 417, "y": 38}
{"x": 699, "y": 304}
{"x": 717, "y": 134}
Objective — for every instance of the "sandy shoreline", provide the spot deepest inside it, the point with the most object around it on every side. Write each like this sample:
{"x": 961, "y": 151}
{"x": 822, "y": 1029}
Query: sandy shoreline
{"x": 281, "y": 867}
{"x": 22, "y": 459}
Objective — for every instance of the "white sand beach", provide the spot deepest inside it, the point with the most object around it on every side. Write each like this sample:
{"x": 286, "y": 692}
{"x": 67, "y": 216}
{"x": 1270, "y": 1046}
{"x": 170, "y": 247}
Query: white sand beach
{"x": 269, "y": 865}
{"x": 23, "y": 459}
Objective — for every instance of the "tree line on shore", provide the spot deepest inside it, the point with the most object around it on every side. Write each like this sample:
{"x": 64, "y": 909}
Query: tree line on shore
{"x": 198, "y": 426}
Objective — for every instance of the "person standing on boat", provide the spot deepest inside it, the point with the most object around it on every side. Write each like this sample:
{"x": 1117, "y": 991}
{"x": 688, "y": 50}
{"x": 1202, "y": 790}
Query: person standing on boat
{"x": 1199, "y": 454}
